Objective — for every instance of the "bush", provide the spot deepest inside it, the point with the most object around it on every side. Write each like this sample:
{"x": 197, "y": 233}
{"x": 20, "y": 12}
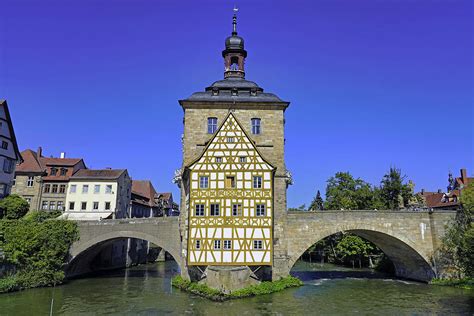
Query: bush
{"x": 38, "y": 249}
{"x": 14, "y": 207}
{"x": 216, "y": 295}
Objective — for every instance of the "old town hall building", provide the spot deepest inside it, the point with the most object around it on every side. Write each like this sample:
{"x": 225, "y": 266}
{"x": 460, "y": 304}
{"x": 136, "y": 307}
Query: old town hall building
{"x": 233, "y": 179}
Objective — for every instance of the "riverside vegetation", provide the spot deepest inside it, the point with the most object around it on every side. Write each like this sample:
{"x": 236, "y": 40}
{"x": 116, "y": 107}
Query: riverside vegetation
{"x": 265, "y": 287}
{"x": 33, "y": 247}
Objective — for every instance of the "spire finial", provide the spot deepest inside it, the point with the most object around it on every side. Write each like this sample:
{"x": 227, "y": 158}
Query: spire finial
{"x": 234, "y": 21}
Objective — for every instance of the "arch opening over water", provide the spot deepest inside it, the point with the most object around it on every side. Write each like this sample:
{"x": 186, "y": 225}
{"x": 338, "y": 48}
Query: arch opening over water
{"x": 407, "y": 262}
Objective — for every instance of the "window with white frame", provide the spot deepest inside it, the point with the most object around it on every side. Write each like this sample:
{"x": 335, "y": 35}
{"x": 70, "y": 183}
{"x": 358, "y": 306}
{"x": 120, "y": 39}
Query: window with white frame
{"x": 85, "y": 188}
{"x": 73, "y": 188}
{"x": 30, "y": 182}
{"x": 260, "y": 210}
{"x": 60, "y": 205}
{"x": 257, "y": 182}
{"x": 237, "y": 210}
{"x": 47, "y": 188}
{"x": 227, "y": 244}
{"x": 214, "y": 209}
{"x": 54, "y": 188}
{"x": 62, "y": 188}
{"x": 256, "y": 129}
{"x": 44, "y": 205}
{"x": 108, "y": 189}
{"x": 199, "y": 210}
{"x": 97, "y": 189}
{"x": 211, "y": 125}
{"x": 52, "y": 205}
{"x": 217, "y": 244}
{"x": 257, "y": 244}
{"x": 204, "y": 182}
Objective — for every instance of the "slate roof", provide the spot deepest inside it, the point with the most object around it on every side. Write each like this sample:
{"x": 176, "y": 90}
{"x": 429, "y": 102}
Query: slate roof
{"x": 11, "y": 130}
{"x": 246, "y": 91}
{"x": 100, "y": 174}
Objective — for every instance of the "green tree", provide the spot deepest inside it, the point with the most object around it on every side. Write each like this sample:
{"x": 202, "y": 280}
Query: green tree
{"x": 13, "y": 207}
{"x": 352, "y": 247}
{"x": 345, "y": 192}
{"x": 395, "y": 194}
{"x": 318, "y": 203}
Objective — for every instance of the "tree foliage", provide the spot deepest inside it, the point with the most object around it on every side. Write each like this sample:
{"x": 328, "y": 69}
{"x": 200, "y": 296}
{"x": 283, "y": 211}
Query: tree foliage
{"x": 38, "y": 248}
{"x": 345, "y": 192}
{"x": 13, "y": 207}
{"x": 317, "y": 203}
{"x": 394, "y": 193}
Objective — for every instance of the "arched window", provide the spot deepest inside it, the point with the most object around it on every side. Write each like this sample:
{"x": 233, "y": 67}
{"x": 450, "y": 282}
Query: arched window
{"x": 234, "y": 63}
{"x": 256, "y": 129}
{"x": 211, "y": 125}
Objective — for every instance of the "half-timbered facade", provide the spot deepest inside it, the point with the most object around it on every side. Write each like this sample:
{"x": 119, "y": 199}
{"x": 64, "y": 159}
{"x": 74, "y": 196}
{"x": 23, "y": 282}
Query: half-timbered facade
{"x": 231, "y": 201}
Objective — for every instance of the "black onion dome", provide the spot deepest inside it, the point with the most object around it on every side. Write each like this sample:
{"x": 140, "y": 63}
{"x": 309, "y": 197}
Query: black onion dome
{"x": 234, "y": 42}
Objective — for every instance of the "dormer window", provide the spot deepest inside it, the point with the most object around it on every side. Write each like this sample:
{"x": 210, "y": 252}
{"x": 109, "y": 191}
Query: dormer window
{"x": 54, "y": 171}
{"x": 211, "y": 125}
{"x": 63, "y": 171}
{"x": 253, "y": 92}
{"x": 215, "y": 91}
{"x": 234, "y": 91}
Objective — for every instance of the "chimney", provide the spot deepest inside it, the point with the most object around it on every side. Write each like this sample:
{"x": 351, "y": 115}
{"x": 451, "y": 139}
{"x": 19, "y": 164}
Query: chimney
{"x": 63, "y": 155}
{"x": 422, "y": 191}
{"x": 39, "y": 152}
{"x": 464, "y": 176}
{"x": 439, "y": 191}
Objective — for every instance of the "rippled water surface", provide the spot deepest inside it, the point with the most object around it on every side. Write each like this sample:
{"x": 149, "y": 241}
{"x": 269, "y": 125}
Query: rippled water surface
{"x": 146, "y": 290}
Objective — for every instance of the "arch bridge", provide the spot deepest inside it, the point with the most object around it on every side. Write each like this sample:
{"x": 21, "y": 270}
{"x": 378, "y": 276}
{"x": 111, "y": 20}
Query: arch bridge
{"x": 408, "y": 238}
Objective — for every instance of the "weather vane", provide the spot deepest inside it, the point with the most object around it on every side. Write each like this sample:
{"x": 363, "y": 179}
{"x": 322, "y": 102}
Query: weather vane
{"x": 235, "y": 9}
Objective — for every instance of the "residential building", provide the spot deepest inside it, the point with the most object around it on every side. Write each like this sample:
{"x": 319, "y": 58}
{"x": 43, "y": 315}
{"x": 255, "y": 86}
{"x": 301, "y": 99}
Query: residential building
{"x": 43, "y": 181}
{"x": 9, "y": 153}
{"x": 170, "y": 208}
{"x": 98, "y": 194}
{"x": 143, "y": 201}
{"x": 451, "y": 199}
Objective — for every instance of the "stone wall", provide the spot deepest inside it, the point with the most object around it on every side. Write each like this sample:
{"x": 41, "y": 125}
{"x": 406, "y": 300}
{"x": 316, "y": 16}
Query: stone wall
{"x": 409, "y": 239}
{"x": 33, "y": 193}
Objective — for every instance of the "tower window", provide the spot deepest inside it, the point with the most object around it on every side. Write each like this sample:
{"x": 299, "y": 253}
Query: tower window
{"x": 237, "y": 210}
{"x": 260, "y": 210}
{"x": 214, "y": 209}
{"x": 234, "y": 63}
{"x": 256, "y": 129}
{"x": 203, "y": 182}
{"x": 211, "y": 125}
{"x": 199, "y": 210}
{"x": 257, "y": 244}
{"x": 230, "y": 182}
{"x": 257, "y": 182}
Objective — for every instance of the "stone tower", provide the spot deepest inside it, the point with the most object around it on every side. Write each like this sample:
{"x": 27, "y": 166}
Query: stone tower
{"x": 233, "y": 172}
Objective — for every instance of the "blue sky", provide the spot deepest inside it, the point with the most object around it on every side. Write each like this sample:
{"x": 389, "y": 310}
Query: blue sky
{"x": 372, "y": 84}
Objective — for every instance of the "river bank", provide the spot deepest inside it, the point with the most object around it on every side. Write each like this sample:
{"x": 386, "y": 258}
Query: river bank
{"x": 147, "y": 289}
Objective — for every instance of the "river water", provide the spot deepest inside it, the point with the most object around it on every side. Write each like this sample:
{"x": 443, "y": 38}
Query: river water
{"x": 328, "y": 290}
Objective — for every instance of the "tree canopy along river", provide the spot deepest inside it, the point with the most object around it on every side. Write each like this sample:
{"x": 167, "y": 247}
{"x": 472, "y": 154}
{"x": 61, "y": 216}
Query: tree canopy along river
{"x": 328, "y": 290}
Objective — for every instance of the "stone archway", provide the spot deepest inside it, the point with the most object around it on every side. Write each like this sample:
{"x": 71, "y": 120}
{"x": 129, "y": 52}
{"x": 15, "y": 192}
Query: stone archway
{"x": 408, "y": 263}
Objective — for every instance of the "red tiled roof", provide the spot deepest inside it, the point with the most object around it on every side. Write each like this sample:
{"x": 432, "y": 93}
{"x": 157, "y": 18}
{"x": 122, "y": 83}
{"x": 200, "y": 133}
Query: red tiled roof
{"x": 30, "y": 162}
{"x": 103, "y": 174}
{"x": 144, "y": 188}
{"x": 66, "y": 162}
{"x": 165, "y": 195}
{"x": 435, "y": 200}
